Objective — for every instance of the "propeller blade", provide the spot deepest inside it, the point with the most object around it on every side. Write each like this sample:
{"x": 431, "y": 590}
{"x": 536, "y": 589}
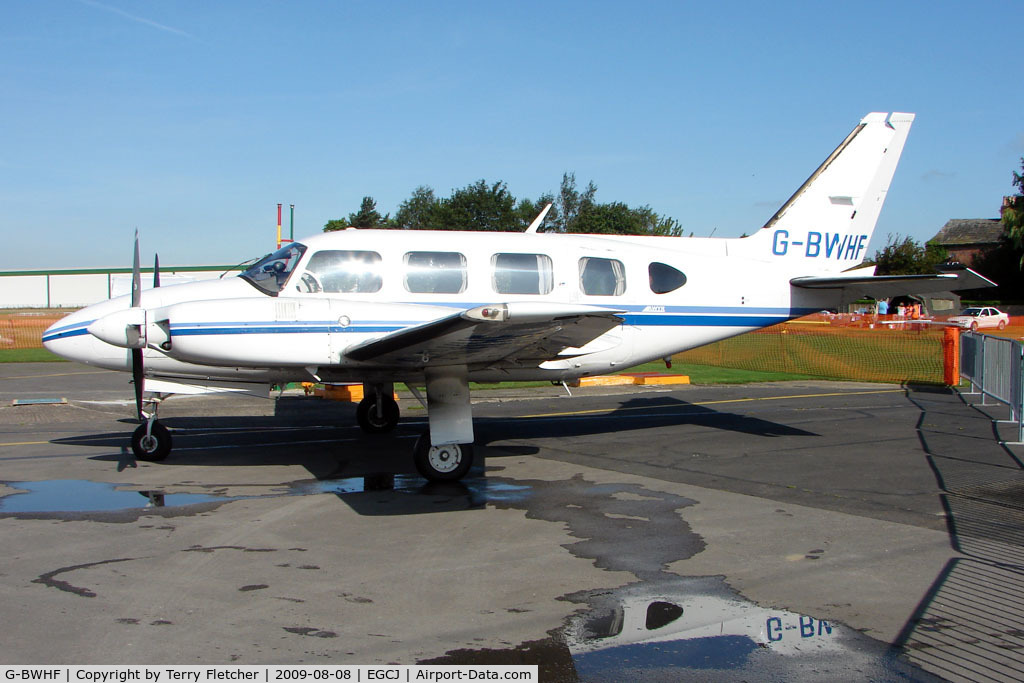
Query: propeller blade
{"x": 156, "y": 271}
{"x": 138, "y": 373}
{"x": 136, "y": 275}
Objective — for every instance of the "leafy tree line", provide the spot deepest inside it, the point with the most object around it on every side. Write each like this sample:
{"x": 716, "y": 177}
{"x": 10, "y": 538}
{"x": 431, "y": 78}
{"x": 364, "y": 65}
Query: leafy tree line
{"x": 484, "y": 206}
{"x": 906, "y": 256}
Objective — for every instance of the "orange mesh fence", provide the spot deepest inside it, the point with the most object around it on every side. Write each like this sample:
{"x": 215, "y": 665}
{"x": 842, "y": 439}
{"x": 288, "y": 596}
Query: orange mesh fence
{"x": 850, "y": 346}
{"x": 24, "y": 330}
{"x": 854, "y": 347}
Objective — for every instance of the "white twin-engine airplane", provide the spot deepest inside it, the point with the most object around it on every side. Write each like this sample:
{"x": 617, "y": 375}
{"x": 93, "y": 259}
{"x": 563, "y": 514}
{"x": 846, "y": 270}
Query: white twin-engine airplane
{"x": 442, "y": 309}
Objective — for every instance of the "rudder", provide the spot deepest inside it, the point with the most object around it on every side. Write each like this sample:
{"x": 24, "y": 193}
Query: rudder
{"x": 829, "y": 220}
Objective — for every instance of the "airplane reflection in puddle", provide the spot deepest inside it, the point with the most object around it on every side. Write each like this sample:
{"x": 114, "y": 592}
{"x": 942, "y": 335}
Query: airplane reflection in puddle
{"x": 693, "y": 631}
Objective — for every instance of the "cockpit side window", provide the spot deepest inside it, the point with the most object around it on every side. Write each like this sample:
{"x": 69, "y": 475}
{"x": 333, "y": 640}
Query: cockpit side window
{"x": 664, "y": 278}
{"x": 270, "y": 273}
{"x": 342, "y": 272}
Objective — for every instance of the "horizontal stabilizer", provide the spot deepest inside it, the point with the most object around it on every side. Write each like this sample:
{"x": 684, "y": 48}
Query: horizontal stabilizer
{"x": 888, "y": 286}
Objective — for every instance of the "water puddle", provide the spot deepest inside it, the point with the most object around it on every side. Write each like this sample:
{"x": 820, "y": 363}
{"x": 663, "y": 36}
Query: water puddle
{"x": 78, "y": 496}
{"x": 478, "y": 490}
{"x": 697, "y": 629}
{"x": 73, "y": 495}
{"x": 666, "y": 627}
{"x": 695, "y": 625}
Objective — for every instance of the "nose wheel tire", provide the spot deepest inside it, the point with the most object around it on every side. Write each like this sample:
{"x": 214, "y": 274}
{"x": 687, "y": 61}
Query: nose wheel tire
{"x": 153, "y": 447}
{"x": 448, "y": 462}
{"x": 370, "y": 421}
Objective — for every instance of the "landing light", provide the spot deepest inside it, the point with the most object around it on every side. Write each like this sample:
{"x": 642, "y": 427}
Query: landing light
{"x": 488, "y": 313}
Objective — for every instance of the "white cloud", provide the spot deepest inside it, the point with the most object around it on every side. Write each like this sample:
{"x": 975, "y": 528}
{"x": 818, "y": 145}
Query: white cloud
{"x": 138, "y": 19}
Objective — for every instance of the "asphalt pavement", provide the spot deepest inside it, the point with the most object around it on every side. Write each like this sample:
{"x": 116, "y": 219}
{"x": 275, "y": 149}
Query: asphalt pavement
{"x": 780, "y": 530}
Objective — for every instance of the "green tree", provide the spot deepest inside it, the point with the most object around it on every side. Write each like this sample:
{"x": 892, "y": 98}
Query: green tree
{"x": 615, "y": 218}
{"x": 419, "y": 212}
{"x": 905, "y": 256}
{"x": 570, "y": 202}
{"x": 1013, "y": 216}
{"x": 367, "y": 216}
{"x": 653, "y": 224}
{"x": 491, "y": 207}
{"x": 480, "y": 206}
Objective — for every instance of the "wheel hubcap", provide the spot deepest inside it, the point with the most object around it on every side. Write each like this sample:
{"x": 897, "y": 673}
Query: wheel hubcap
{"x": 445, "y": 458}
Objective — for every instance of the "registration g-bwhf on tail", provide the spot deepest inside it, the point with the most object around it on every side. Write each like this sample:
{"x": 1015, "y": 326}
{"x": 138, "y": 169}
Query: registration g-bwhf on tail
{"x": 441, "y": 309}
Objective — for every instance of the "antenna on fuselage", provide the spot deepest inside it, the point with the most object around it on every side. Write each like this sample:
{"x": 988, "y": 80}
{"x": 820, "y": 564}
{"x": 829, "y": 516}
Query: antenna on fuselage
{"x": 539, "y": 219}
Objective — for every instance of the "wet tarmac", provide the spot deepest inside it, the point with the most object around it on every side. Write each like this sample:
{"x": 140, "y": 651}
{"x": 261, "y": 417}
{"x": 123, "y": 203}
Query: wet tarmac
{"x": 796, "y": 531}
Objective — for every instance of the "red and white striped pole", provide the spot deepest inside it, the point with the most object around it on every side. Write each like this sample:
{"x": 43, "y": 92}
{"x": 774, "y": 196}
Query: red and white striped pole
{"x": 278, "y": 226}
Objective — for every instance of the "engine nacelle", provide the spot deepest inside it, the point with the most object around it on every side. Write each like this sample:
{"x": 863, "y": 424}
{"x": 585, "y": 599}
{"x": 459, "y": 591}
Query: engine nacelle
{"x": 279, "y": 332}
{"x": 126, "y": 328}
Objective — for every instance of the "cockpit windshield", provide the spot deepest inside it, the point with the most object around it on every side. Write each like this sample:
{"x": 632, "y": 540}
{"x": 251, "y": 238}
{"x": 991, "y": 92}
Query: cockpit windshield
{"x": 271, "y": 272}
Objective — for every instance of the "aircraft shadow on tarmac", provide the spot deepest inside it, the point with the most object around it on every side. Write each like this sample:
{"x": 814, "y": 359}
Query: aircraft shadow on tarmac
{"x": 632, "y": 414}
{"x": 302, "y": 432}
{"x": 328, "y": 444}
{"x": 968, "y": 626}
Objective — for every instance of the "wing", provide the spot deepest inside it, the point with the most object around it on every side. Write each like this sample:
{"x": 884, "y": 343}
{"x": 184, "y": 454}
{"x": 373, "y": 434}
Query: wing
{"x": 887, "y": 286}
{"x": 511, "y": 333}
{"x": 190, "y": 386}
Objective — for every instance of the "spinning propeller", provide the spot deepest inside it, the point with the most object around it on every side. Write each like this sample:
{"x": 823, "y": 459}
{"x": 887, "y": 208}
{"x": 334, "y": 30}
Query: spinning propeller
{"x": 138, "y": 374}
{"x": 138, "y": 368}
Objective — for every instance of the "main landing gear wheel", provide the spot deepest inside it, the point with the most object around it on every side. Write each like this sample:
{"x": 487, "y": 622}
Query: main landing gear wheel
{"x": 370, "y": 421}
{"x": 449, "y": 462}
{"x": 154, "y": 446}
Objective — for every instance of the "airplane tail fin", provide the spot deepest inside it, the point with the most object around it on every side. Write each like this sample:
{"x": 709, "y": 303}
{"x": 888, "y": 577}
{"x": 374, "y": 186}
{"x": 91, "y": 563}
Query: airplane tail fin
{"x": 827, "y": 223}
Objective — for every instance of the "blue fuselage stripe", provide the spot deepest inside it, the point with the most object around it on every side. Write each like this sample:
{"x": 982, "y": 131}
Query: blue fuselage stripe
{"x": 636, "y": 315}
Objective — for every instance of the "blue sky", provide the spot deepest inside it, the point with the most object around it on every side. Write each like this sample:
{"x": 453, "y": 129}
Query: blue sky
{"x": 191, "y": 120}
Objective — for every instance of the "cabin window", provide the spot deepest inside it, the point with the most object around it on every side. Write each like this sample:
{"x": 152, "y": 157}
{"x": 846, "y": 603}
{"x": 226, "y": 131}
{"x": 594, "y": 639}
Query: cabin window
{"x": 664, "y": 278}
{"x": 522, "y": 274}
{"x": 602, "y": 277}
{"x": 342, "y": 272}
{"x": 435, "y": 272}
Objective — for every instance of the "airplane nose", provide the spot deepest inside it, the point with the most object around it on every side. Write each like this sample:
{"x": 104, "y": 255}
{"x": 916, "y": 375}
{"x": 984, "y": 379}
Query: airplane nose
{"x": 64, "y": 337}
{"x": 55, "y": 336}
{"x": 69, "y": 338}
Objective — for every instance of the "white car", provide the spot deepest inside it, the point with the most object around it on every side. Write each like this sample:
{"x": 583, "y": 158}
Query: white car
{"x": 977, "y": 318}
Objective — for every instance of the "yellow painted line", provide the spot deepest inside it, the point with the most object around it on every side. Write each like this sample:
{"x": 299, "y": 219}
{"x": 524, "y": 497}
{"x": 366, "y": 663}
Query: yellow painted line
{"x": 59, "y": 374}
{"x": 24, "y": 443}
{"x": 709, "y": 403}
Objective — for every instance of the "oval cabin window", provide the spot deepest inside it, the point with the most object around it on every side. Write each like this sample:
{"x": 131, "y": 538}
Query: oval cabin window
{"x": 664, "y": 278}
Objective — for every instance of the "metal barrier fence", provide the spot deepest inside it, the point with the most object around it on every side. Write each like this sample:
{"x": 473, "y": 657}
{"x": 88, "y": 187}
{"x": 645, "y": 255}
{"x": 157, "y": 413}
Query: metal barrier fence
{"x": 995, "y": 368}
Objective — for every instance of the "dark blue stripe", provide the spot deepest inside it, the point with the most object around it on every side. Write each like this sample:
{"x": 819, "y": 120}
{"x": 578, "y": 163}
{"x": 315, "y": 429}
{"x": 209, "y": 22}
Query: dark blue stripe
{"x": 663, "y": 320}
{"x": 73, "y": 332}
{"x": 177, "y": 331}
